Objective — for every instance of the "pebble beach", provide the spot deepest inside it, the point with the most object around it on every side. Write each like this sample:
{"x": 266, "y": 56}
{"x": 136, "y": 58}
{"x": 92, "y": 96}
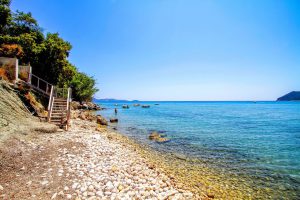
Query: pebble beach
{"x": 86, "y": 162}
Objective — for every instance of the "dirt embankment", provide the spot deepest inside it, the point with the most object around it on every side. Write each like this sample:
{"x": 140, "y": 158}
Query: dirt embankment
{"x": 15, "y": 119}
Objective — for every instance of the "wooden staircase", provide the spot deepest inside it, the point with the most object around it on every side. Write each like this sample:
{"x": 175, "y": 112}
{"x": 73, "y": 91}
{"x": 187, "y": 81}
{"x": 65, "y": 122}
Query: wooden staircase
{"x": 59, "y": 111}
{"x": 59, "y": 98}
{"x": 59, "y": 107}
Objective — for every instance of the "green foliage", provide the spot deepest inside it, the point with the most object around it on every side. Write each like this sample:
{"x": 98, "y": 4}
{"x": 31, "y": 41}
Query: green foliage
{"x": 5, "y": 14}
{"x": 52, "y": 58}
{"x": 83, "y": 87}
{"x": 48, "y": 55}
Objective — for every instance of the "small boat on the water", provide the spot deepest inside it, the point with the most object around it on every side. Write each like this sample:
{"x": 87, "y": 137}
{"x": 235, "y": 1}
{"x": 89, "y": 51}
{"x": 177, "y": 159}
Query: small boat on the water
{"x": 136, "y": 105}
{"x": 145, "y": 106}
{"x": 125, "y": 106}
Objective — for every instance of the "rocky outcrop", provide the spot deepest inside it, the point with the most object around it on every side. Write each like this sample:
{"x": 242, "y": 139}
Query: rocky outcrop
{"x": 15, "y": 117}
{"x": 101, "y": 120}
{"x": 292, "y": 96}
{"x": 75, "y": 105}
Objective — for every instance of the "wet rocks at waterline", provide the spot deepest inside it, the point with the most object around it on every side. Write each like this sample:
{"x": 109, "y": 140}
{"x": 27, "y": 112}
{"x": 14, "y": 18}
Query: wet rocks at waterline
{"x": 160, "y": 138}
{"x": 101, "y": 120}
{"x": 75, "y": 105}
{"x": 113, "y": 120}
{"x": 145, "y": 106}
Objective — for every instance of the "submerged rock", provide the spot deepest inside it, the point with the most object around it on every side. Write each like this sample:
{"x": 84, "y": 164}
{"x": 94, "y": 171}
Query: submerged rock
{"x": 125, "y": 106}
{"x": 154, "y": 135}
{"x": 113, "y": 120}
{"x": 158, "y": 137}
{"x": 162, "y": 140}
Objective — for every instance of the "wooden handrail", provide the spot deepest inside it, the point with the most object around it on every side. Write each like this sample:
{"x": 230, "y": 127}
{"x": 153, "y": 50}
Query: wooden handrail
{"x": 50, "y": 104}
{"x": 69, "y": 99}
{"x": 50, "y": 98}
{"x": 39, "y": 78}
{"x": 39, "y": 81}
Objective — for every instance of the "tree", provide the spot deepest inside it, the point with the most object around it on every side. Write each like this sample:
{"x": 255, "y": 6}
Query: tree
{"x": 5, "y": 14}
{"x": 83, "y": 87}
{"x": 52, "y": 58}
{"x": 23, "y": 38}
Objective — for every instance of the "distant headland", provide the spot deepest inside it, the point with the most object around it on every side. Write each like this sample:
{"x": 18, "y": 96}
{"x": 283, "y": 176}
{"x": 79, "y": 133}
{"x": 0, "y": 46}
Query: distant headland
{"x": 114, "y": 100}
{"x": 292, "y": 96}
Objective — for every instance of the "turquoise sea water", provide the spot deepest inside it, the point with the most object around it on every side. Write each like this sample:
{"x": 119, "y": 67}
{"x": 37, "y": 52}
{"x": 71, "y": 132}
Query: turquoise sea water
{"x": 259, "y": 139}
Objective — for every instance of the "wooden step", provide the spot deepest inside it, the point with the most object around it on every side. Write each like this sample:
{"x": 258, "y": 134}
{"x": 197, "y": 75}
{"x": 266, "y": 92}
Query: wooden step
{"x": 59, "y": 112}
{"x": 60, "y": 103}
{"x": 58, "y": 120}
{"x": 58, "y": 115}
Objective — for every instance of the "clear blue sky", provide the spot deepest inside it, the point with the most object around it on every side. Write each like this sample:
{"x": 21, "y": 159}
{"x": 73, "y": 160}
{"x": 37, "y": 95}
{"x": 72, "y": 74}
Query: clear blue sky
{"x": 180, "y": 49}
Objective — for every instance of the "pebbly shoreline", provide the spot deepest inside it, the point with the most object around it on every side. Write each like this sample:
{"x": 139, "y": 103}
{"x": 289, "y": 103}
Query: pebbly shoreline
{"x": 87, "y": 162}
{"x": 109, "y": 169}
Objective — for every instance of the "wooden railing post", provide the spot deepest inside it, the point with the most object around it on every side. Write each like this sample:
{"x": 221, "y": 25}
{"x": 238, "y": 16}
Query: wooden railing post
{"x": 68, "y": 107}
{"x": 50, "y": 103}
{"x": 17, "y": 71}
{"x": 68, "y": 99}
{"x": 30, "y": 74}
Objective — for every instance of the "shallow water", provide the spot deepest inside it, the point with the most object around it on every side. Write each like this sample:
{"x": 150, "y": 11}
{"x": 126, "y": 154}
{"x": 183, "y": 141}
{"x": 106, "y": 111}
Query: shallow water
{"x": 259, "y": 142}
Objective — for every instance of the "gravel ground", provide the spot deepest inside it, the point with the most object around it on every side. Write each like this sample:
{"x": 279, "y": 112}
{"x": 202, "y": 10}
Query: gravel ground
{"x": 81, "y": 164}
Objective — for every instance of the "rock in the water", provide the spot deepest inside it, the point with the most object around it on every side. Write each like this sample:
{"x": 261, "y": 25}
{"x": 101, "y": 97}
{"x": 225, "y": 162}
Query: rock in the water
{"x": 125, "y": 106}
{"x": 145, "y": 106}
{"x": 154, "y": 135}
{"x": 113, "y": 120}
{"x": 162, "y": 140}
{"x": 101, "y": 120}
{"x": 158, "y": 137}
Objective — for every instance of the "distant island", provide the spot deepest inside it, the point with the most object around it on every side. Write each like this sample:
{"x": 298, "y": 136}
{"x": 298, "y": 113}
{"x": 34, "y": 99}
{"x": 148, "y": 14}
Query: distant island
{"x": 292, "y": 96}
{"x": 113, "y": 100}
